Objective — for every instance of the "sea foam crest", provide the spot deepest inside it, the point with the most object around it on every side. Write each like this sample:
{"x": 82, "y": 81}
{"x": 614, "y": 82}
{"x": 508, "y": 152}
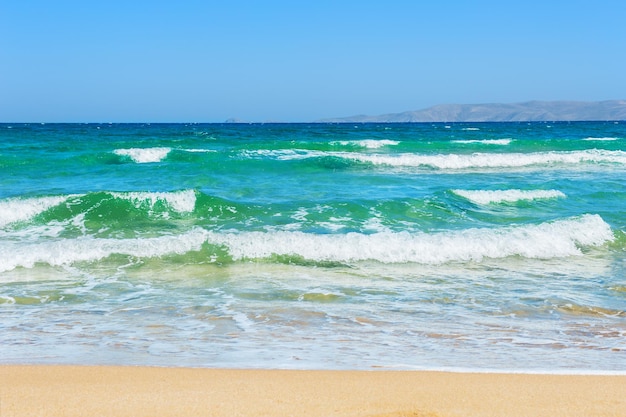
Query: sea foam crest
{"x": 199, "y": 150}
{"x": 477, "y": 160}
{"x": 68, "y": 251}
{"x": 144, "y": 155}
{"x": 498, "y": 196}
{"x": 17, "y": 209}
{"x": 283, "y": 154}
{"x": 367, "y": 143}
{"x": 601, "y": 139}
{"x": 489, "y": 160}
{"x": 506, "y": 141}
{"x": 179, "y": 201}
{"x": 547, "y": 240}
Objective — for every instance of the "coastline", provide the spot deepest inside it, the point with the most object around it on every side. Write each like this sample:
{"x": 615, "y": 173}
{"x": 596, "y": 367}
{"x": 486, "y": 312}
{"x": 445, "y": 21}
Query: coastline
{"x": 31, "y": 390}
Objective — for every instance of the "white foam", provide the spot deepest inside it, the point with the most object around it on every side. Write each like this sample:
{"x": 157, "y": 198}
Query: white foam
{"x": 544, "y": 241}
{"x": 17, "y": 209}
{"x": 368, "y": 143}
{"x": 498, "y": 196}
{"x": 489, "y": 160}
{"x": 68, "y": 251}
{"x": 179, "y": 201}
{"x": 300, "y": 214}
{"x": 506, "y": 141}
{"x": 477, "y": 160}
{"x": 604, "y": 139}
{"x": 287, "y": 154}
{"x": 144, "y": 155}
{"x": 200, "y": 150}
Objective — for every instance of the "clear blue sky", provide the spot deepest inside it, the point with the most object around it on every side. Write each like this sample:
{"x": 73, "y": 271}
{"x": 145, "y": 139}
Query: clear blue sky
{"x": 139, "y": 60}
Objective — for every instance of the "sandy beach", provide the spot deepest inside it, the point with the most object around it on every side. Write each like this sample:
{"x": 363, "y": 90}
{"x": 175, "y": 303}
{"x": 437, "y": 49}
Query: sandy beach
{"x": 144, "y": 391}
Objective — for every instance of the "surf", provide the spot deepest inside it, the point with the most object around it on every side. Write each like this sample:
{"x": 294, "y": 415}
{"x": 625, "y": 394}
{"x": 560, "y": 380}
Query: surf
{"x": 485, "y": 197}
{"x": 560, "y": 238}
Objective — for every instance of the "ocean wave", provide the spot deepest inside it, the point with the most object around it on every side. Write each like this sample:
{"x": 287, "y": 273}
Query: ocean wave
{"x": 76, "y": 206}
{"x": 602, "y": 139}
{"x": 490, "y": 160}
{"x": 144, "y": 155}
{"x": 510, "y": 196}
{"x": 283, "y": 154}
{"x": 22, "y": 209}
{"x": 506, "y": 141}
{"x": 544, "y": 241}
{"x": 179, "y": 201}
{"x": 89, "y": 249}
{"x": 561, "y": 238}
{"x": 456, "y": 161}
{"x": 199, "y": 150}
{"x": 367, "y": 143}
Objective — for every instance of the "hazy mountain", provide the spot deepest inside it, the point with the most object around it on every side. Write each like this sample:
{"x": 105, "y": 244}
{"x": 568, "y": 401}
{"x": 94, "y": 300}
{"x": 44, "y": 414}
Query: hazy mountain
{"x": 550, "y": 111}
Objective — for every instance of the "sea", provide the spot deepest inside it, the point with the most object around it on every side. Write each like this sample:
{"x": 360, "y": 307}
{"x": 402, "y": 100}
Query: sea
{"x": 422, "y": 246}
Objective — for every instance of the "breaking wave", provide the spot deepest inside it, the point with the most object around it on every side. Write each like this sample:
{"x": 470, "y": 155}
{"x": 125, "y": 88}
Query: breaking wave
{"x": 367, "y": 143}
{"x": 21, "y": 209}
{"x": 548, "y": 240}
{"x": 144, "y": 155}
{"x": 457, "y": 161}
{"x": 509, "y": 196}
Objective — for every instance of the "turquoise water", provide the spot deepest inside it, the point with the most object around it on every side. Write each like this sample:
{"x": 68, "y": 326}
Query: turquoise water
{"x": 495, "y": 246}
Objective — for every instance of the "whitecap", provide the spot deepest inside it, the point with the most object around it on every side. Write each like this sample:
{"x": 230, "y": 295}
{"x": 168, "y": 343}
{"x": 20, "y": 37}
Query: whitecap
{"x": 22, "y": 209}
{"x": 489, "y": 160}
{"x": 543, "y": 241}
{"x": 504, "y": 141}
{"x": 86, "y": 248}
{"x": 367, "y": 143}
{"x": 498, "y": 196}
{"x": 144, "y": 155}
{"x": 560, "y": 238}
{"x": 179, "y": 201}
{"x": 603, "y": 139}
{"x": 199, "y": 150}
{"x": 456, "y": 161}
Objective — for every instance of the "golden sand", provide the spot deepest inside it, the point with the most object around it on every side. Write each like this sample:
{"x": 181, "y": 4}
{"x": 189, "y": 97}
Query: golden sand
{"x": 143, "y": 391}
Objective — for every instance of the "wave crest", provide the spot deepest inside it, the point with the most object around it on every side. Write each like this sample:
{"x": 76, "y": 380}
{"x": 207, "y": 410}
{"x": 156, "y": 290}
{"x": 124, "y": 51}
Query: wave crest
{"x": 18, "y": 209}
{"x": 544, "y": 241}
{"x": 485, "y": 197}
{"x": 179, "y": 201}
{"x": 555, "y": 239}
{"x": 144, "y": 155}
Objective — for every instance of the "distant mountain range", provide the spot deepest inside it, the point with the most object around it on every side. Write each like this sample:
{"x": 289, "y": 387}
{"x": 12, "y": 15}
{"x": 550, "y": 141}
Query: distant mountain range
{"x": 549, "y": 111}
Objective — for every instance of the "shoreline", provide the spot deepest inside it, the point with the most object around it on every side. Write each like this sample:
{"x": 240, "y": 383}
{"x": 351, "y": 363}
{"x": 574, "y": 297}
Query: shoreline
{"x": 70, "y": 390}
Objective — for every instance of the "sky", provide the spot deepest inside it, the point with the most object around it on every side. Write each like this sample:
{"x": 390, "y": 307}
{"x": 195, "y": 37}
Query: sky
{"x": 290, "y": 61}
